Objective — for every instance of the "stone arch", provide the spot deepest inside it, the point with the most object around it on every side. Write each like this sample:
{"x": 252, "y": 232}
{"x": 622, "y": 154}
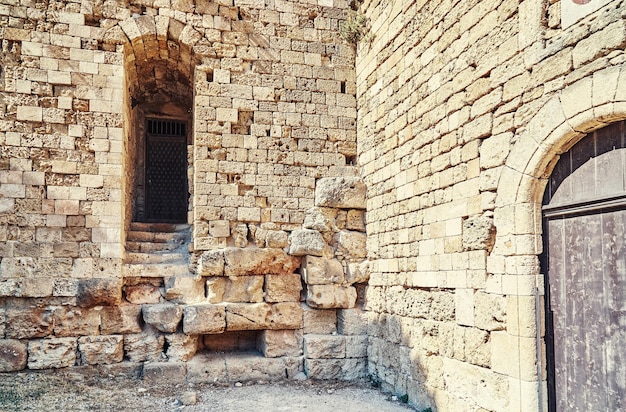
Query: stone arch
{"x": 564, "y": 119}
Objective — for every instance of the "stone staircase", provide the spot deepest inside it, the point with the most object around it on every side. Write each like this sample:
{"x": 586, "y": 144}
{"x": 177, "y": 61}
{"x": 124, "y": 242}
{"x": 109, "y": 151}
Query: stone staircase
{"x": 157, "y": 250}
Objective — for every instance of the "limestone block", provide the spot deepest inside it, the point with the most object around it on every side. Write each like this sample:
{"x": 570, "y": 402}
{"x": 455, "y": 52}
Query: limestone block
{"x": 318, "y": 321}
{"x": 356, "y": 346}
{"x": 219, "y": 228}
{"x": 73, "y": 321}
{"x": 242, "y": 289}
{"x": 442, "y": 306}
{"x": 352, "y": 321}
{"x": 331, "y": 296}
{"x": 355, "y": 220}
{"x": 350, "y": 244}
{"x": 141, "y": 294}
{"x": 184, "y": 289}
{"x": 321, "y": 271}
{"x": 207, "y": 368}
{"x": 599, "y": 43}
{"x": 323, "y": 369}
{"x": 306, "y": 242}
{"x": 324, "y": 346}
{"x": 258, "y": 261}
{"x": 340, "y": 192}
{"x": 164, "y": 372}
{"x": 353, "y": 369}
{"x": 211, "y": 263}
{"x": 121, "y": 319}
{"x": 164, "y": 317}
{"x": 96, "y": 292}
{"x": 477, "y": 347}
{"x": 358, "y": 272}
{"x": 277, "y": 239}
{"x": 51, "y": 353}
{"x": 479, "y": 233}
{"x": 247, "y": 316}
{"x": 321, "y": 219}
{"x": 285, "y": 315}
{"x": 204, "y": 319}
{"x": 142, "y": 347}
{"x": 479, "y": 385}
{"x": 13, "y": 355}
{"x": 181, "y": 347}
{"x": 97, "y": 350}
{"x": 277, "y": 343}
{"x": 247, "y": 367}
{"x": 464, "y": 306}
{"x": 22, "y": 323}
{"x": 240, "y": 235}
{"x": 283, "y": 288}
{"x": 489, "y": 311}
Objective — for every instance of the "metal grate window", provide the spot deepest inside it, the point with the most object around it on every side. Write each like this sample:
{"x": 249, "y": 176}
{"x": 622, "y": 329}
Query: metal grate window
{"x": 158, "y": 127}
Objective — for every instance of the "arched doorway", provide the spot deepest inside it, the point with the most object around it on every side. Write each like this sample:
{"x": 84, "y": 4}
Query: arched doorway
{"x": 584, "y": 212}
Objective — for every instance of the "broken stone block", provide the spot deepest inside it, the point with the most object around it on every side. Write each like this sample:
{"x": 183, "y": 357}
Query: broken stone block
{"x": 181, "y": 347}
{"x": 99, "y": 292}
{"x": 143, "y": 347}
{"x": 211, "y": 263}
{"x": 479, "y": 233}
{"x": 164, "y": 317}
{"x": 22, "y": 323}
{"x": 306, "y": 242}
{"x": 286, "y": 315}
{"x": 142, "y": 294}
{"x": 321, "y": 219}
{"x": 321, "y": 271}
{"x": 236, "y": 289}
{"x": 358, "y": 272}
{"x": 164, "y": 372}
{"x": 13, "y": 355}
{"x": 352, "y": 321}
{"x": 247, "y": 316}
{"x": 277, "y": 239}
{"x": 239, "y": 234}
{"x": 351, "y": 245}
{"x": 324, "y": 346}
{"x": 355, "y": 220}
{"x": 340, "y": 192}
{"x": 52, "y": 353}
{"x": 120, "y": 320}
{"x": 331, "y": 296}
{"x": 258, "y": 261}
{"x": 283, "y": 288}
{"x": 319, "y": 321}
{"x": 277, "y": 343}
{"x": 204, "y": 319}
{"x": 73, "y": 321}
{"x": 97, "y": 350}
{"x": 184, "y": 289}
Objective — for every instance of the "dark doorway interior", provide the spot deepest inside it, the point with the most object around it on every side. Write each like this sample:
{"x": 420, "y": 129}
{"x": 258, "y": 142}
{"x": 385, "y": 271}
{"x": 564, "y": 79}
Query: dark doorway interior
{"x": 166, "y": 171}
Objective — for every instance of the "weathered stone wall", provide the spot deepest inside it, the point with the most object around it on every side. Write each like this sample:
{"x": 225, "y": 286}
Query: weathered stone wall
{"x": 275, "y": 263}
{"x": 463, "y": 110}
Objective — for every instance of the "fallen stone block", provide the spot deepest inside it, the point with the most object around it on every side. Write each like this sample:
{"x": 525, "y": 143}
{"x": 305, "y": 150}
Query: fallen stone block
{"x": 331, "y": 296}
{"x": 97, "y": 350}
{"x": 164, "y": 317}
{"x": 13, "y": 355}
{"x": 52, "y": 353}
{"x": 204, "y": 319}
{"x": 321, "y": 271}
{"x": 340, "y": 192}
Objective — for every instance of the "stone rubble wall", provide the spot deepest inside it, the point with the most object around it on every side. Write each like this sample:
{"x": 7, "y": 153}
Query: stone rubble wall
{"x": 455, "y": 100}
{"x": 277, "y": 256}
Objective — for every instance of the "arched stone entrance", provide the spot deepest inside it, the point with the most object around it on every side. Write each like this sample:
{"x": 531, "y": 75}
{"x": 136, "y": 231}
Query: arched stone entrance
{"x": 585, "y": 266}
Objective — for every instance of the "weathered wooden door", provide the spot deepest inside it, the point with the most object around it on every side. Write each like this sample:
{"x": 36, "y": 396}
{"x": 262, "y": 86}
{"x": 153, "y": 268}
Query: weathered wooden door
{"x": 166, "y": 171}
{"x": 585, "y": 256}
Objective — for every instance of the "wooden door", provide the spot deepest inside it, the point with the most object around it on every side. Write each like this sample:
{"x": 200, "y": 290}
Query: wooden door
{"x": 166, "y": 172}
{"x": 585, "y": 237}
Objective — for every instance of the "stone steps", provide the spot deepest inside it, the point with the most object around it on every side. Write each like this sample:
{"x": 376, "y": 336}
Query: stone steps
{"x": 156, "y": 250}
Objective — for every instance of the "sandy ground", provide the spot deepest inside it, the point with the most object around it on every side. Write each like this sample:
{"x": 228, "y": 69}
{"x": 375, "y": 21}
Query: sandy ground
{"x": 61, "y": 391}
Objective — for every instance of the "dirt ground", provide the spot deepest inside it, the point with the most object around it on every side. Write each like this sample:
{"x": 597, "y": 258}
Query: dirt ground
{"x": 68, "y": 391}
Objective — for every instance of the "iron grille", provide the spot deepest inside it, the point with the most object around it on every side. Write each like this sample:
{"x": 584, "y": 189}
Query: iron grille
{"x": 158, "y": 127}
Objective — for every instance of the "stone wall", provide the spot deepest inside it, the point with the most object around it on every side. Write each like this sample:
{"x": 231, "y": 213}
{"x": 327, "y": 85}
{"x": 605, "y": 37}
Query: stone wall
{"x": 274, "y": 267}
{"x": 463, "y": 110}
